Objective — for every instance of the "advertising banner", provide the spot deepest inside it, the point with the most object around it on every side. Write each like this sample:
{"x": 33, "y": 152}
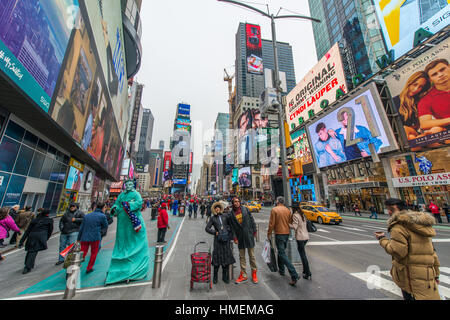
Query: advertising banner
{"x": 235, "y": 178}
{"x": 254, "y": 49}
{"x": 317, "y": 89}
{"x": 34, "y": 36}
{"x": 245, "y": 177}
{"x": 82, "y": 103}
{"x": 301, "y": 146}
{"x": 426, "y": 180}
{"x": 74, "y": 179}
{"x": 106, "y": 23}
{"x": 352, "y": 130}
{"x": 400, "y": 19}
{"x": 167, "y": 165}
{"x": 184, "y": 109}
{"x": 420, "y": 93}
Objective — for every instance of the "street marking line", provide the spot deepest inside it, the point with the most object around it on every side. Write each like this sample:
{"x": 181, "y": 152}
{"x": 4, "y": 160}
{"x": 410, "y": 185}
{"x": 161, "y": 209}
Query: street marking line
{"x": 337, "y": 242}
{"x": 323, "y": 230}
{"x": 354, "y": 229}
{"x": 316, "y": 235}
{"x": 173, "y": 245}
{"x": 381, "y": 283}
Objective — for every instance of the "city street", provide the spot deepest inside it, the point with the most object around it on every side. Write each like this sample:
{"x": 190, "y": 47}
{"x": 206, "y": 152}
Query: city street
{"x": 346, "y": 263}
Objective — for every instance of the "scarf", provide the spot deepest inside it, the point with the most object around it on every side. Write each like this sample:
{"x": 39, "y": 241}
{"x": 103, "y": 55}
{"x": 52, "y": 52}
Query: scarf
{"x": 238, "y": 214}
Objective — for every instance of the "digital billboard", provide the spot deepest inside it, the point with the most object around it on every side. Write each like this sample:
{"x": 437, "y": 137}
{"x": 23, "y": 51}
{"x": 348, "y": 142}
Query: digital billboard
{"x": 400, "y": 19}
{"x": 346, "y": 132}
{"x": 34, "y": 36}
{"x": 167, "y": 175}
{"x": 106, "y": 26}
{"x": 317, "y": 89}
{"x": 74, "y": 178}
{"x": 83, "y": 104}
{"x": 235, "y": 177}
{"x": 420, "y": 93}
{"x": 184, "y": 109}
{"x": 301, "y": 146}
{"x": 254, "y": 49}
{"x": 245, "y": 177}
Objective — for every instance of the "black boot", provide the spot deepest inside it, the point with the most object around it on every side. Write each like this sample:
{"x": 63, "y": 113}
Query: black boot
{"x": 225, "y": 276}
{"x": 216, "y": 274}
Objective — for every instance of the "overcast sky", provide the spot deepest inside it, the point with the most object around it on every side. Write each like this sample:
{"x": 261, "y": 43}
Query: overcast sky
{"x": 187, "y": 44}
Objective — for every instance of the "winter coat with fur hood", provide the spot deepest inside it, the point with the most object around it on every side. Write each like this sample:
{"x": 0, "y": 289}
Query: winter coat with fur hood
{"x": 415, "y": 264}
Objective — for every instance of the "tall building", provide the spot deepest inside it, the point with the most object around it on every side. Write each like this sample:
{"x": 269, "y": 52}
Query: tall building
{"x": 64, "y": 105}
{"x": 156, "y": 159}
{"x": 145, "y": 137}
{"x": 180, "y": 146}
{"x": 353, "y": 24}
{"x": 251, "y": 84}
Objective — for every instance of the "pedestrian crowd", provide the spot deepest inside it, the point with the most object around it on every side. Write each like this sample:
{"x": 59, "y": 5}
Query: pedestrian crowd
{"x": 415, "y": 264}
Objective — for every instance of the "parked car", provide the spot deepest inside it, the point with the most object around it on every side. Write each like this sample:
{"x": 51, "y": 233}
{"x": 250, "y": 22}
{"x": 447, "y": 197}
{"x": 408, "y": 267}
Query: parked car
{"x": 321, "y": 214}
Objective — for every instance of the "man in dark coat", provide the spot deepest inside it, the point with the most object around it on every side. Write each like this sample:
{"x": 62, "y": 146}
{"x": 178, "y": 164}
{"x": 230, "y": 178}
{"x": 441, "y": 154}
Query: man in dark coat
{"x": 90, "y": 233}
{"x": 69, "y": 225}
{"x": 244, "y": 229}
{"x": 37, "y": 233}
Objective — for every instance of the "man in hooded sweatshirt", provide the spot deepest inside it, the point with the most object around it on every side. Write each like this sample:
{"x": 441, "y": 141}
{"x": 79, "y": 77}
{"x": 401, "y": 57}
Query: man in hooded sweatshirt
{"x": 415, "y": 264}
{"x": 163, "y": 222}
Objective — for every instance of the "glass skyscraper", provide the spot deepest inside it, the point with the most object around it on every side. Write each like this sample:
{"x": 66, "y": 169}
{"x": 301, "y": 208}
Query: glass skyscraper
{"x": 354, "y": 25}
{"x": 252, "y": 85}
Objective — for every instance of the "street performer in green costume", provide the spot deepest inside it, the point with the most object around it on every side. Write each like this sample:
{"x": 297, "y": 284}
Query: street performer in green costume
{"x": 130, "y": 258}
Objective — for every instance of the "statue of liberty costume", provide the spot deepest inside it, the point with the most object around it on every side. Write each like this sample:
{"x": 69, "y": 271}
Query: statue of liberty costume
{"x": 130, "y": 257}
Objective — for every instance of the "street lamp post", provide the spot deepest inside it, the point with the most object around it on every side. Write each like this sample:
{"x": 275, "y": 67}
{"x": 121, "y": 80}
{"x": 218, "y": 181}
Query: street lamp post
{"x": 281, "y": 116}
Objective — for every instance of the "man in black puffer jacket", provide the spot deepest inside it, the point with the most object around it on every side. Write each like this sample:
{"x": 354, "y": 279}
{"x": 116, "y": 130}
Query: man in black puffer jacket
{"x": 69, "y": 225}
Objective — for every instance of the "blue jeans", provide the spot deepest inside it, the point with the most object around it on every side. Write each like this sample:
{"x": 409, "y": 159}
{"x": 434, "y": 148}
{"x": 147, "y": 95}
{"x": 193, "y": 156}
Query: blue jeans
{"x": 281, "y": 243}
{"x": 374, "y": 214}
{"x": 66, "y": 240}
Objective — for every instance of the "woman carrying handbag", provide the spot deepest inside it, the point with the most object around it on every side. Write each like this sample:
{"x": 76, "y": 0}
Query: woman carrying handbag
{"x": 219, "y": 226}
{"x": 299, "y": 224}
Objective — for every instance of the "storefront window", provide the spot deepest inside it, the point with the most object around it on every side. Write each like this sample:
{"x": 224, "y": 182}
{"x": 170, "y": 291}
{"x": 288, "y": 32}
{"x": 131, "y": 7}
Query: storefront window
{"x": 4, "y": 179}
{"x": 14, "y": 191}
{"x": 46, "y": 168}
{"x": 36, "y": 166}
{"x": 15, "y": 131}
{"x": 9, "y": 149}
{"x": 30, "y": 140}
{"x": 42, "y": 146}
{"x": 49, "y": 195}
{"x": 24, "y": 160}
{"x": 56, "y": 197}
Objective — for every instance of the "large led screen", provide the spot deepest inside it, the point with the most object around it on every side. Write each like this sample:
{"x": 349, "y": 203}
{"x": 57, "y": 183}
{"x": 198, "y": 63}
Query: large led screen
{"x": 84, "y": 105}
{"x": 347, "y": 132}
{"x": 254, "y": 49}
{"x": 245, "y": 177}
{"x": 301, "y": 146}
{"x": 106, "y": 26}
{"x": 34, "y": 36}
{"x": 317, "y": 89}
{"x": 400, "y": 19}
{"x": 74, "y": 179}
{"x": 420, "y": 92}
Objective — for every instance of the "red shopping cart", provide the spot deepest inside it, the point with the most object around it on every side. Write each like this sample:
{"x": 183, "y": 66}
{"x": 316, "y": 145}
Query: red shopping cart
{"x": 201, "y": 266}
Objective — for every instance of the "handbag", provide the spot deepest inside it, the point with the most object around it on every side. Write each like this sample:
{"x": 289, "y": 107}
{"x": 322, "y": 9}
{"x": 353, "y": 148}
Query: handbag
{"x": 223, "y": 234}
{"x": 310, "y": 226}
{"x": 273, "y": 259}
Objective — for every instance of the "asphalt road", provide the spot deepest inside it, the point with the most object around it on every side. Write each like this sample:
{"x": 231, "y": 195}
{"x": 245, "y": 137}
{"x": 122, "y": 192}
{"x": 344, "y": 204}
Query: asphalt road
{"x": 346, "y": 263}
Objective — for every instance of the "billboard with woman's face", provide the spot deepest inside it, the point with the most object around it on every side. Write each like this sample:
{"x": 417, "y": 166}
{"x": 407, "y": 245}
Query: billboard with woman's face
{"x": 420, "y": 90}
{"x": 245, "y": 177}
{"x": 353, "y": 130}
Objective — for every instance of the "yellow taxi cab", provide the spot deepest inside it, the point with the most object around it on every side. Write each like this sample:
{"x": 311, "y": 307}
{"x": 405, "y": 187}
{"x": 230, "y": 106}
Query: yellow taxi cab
{"x": 320, "y": 214}
{"x": 258, "y": 205}
{"x": 251, "y": 207}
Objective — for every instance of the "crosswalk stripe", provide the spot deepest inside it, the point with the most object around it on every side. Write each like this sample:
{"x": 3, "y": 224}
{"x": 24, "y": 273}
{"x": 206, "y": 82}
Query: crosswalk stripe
{"x": 353, "y": 229}
{"x": 323, "y": 230}
{"x": 379, "y": 281}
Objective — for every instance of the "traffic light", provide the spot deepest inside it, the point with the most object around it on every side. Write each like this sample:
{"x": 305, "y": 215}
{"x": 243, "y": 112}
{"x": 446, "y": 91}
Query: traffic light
{"x": 297, "y": 168}
{"x": 287, "y": 138}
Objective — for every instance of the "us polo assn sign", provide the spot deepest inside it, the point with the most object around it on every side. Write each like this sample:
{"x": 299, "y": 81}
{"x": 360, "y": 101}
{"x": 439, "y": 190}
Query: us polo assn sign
{"x": 426, "y": 180}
